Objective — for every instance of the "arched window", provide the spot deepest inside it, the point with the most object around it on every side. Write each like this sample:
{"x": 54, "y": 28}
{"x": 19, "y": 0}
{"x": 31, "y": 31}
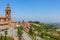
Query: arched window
{"x": 7, "y": 12}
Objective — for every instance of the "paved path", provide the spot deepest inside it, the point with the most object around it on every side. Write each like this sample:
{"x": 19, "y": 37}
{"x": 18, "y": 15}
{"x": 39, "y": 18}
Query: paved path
{"x": 25, "y": 36}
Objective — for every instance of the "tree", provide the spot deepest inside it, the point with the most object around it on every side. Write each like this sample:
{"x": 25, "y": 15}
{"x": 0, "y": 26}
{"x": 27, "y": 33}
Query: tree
{"x": 30, "y": 31}
{"x": 23, "y": 21}
{"x": 6, "y": 32}
{"x": 20, "y": 32}
{"x": 1, "y": 37}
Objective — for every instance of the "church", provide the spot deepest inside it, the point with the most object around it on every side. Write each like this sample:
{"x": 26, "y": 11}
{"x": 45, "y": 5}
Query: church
{"x": 6, "y": 20}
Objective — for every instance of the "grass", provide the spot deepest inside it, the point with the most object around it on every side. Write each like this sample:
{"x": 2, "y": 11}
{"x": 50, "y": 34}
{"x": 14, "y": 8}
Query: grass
{"x": 8, "y": 38}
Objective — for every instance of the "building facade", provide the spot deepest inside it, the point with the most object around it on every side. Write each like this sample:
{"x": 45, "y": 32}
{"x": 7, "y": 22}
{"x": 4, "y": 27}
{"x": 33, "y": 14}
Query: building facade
{"x": 6, "y": 20}
{"x": 25, "y": 25}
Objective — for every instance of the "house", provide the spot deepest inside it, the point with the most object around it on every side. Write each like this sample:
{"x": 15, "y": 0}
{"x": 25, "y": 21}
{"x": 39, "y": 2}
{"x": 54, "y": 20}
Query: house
{"x": 25, "y": 25}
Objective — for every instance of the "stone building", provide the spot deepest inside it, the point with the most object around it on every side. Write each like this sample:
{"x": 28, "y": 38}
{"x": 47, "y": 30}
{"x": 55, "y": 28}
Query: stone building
{"x": 25, "y": 25}
{"x": 6, "y": 20}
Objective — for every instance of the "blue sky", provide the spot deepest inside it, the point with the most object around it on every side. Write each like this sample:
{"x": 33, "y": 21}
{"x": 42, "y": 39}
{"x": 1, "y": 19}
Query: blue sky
{"x": 36, "y": 10}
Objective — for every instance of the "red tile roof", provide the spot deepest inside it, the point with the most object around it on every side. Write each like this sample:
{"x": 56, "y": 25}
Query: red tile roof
{"x": 25, "y": 24}
{"x": 3, "y": 23}
{"x": 2, "y": 17}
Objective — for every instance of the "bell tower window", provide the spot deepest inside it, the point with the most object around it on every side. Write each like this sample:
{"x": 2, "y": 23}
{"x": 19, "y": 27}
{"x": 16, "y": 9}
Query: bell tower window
{"x": 7, "y": 12}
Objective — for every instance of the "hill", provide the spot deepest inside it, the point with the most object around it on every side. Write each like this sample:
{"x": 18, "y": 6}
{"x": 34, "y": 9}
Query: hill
{"x": 44, "y": 31}
{"x": 55, "y": 24}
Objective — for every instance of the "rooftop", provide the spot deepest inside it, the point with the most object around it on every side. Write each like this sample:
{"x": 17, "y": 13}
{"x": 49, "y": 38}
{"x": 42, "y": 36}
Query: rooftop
{"x": 2, "y": 17}
{"x": 2, "y": 23}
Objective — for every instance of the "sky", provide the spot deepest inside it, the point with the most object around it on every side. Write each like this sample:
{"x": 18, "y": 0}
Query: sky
{"x": 35, "y": 10}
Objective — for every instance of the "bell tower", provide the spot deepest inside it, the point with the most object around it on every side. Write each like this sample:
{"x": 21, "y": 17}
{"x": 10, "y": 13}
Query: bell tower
{"x": 8, "y": 13}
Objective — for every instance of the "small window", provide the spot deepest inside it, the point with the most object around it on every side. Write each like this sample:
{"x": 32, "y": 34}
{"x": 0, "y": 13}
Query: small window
{"x": 7, "y": 12}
